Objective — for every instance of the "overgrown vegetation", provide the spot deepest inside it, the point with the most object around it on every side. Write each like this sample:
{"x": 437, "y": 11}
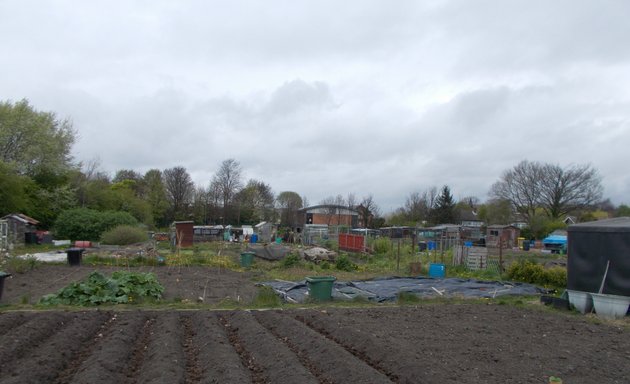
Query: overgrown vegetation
{"x": 343, "y": 263}
{"x": 122, "y": 287}
{"x": 89, "y": 224}
{"x": 15, "y": 264}
{"x": 530, "y": 272}
{"x": 266, "y": 298}
{"x": 124, "y": 235}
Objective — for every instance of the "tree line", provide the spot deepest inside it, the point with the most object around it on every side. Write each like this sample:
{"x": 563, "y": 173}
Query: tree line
{"x": 39, "y": 177}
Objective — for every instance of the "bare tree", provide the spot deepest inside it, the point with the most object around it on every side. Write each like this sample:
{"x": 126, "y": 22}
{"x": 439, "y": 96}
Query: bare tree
{"x": 228, "y": 180}
{"x": 368, "y": 211}
{"x": 532, "y": 186}
{"x": 179, "y": 191}
{"x": 570, "y": 189}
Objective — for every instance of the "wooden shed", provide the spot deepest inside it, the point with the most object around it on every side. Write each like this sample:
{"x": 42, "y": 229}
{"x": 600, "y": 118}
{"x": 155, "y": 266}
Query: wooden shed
{"x": 21, "y": 229}
{"x": 182, "y": 233}
{"x": 505, "y": 236}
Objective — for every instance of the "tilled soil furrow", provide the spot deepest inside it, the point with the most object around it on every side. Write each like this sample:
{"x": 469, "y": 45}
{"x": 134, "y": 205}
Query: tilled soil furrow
{"x": 10, "y": 320}
{"x": 191, "y": 351}
{"x": 140, "y": 350}
{"x": 109, "y": 361}
{"x": 255, "y": 369}
{"x": 43, "y": 364}
{"x": 271, "y": 354}
{"x": 347, "y": 344}
{"x": 329, "y": 361}
{"x": 85, "y": 349}
{"x": 29, "y": 336}
{"x": 216, "y": 357}
{"x": 164, "y": 361}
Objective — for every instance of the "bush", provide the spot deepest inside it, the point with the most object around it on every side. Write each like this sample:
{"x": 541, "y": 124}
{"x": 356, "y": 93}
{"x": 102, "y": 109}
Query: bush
{"x": 382, "y": 246}
{"x": 533, "y": 273}
{"x": 291, "y": 260}
{"x": 124, "y": 235}
{"x": 88, "y": 224}
{"x": 343, "y": 263}
{"x": 123, "y": 287}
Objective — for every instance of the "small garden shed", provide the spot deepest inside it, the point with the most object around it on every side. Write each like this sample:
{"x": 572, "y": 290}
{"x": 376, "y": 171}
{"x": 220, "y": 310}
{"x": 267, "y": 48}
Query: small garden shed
{"x": 21, "y": 229}
{"x": 594, "y": 245}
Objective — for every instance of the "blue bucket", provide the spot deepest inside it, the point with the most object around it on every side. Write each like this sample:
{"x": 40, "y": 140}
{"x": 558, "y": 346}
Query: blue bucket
{"x": 437, "y": 270}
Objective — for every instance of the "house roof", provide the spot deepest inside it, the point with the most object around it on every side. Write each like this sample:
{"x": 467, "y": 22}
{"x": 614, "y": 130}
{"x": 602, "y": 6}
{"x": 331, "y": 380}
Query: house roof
{"x": 22, "y": 218}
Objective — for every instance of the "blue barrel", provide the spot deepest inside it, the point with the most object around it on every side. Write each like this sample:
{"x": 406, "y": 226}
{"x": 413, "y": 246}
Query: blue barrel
{"x": 431, "y": 245}
{"x": 437, "y": 270}
{"x": 253, "y": 239}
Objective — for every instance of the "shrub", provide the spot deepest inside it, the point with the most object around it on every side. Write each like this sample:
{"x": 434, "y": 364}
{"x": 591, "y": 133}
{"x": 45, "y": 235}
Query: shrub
{"x": 123, "y": 287}
{"x": 88, "y": 224}
{"x": 290, "y": 260}
{"x": 382, "y": 245}
{"x": 124, "y": 235}
{"x": 343, "y": 263}
{"x": 533, "y": 273}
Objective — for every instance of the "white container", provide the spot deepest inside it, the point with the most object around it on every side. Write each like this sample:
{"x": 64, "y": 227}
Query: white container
{"x": 610, "y": 306}
{"x": 582, "y": 301}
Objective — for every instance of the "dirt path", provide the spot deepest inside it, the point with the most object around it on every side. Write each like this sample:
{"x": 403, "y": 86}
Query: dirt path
{"x": 446, "y": 343}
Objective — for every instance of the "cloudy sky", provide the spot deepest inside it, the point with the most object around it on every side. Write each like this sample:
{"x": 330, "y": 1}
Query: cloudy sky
{"x": 332, "y": 97}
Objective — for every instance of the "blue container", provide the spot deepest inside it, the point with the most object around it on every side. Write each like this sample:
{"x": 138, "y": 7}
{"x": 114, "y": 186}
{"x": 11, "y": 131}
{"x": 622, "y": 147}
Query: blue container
{"x": 431, "y": 245}
{"x": 253, "y": 239}
{"x": 437, "y": 270}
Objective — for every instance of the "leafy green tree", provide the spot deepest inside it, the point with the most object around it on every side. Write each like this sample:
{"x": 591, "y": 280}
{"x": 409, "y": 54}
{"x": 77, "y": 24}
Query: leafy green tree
{"x": 13, "y": 197}
{"x": 496, "y": 211}
{"x": 622, "y": 210}
{"x": 34, "y": 142}
{"x": 289, "y": 203}
{"x": 256, "y": 202}
{"x": 155, "y": 195}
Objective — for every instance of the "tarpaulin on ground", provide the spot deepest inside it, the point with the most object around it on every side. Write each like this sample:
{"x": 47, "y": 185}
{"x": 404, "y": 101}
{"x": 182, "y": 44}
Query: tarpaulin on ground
{"x": 387, "y": 289}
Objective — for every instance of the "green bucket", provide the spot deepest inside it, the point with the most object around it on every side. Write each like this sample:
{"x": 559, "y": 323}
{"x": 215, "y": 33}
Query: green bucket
{"x": 246, "y": 259}
{"x": 320, "y": 287}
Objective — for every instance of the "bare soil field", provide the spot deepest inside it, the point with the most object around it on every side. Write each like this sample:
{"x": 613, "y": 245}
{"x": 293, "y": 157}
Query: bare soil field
{"x": 180, "y": 282}
{"x": 429, "y": 343}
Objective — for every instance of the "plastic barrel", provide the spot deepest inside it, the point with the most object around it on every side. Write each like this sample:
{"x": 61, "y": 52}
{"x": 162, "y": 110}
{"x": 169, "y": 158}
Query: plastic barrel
{"x": 437, "y": 270}
{"x": 74, "y": 256}
{"x": 320, "y": 287}
{"x": 246, "y": 259}
{"x": 253, "y": 239}
{"x": 526, "y": 245}
{"x": 2, "y": 277}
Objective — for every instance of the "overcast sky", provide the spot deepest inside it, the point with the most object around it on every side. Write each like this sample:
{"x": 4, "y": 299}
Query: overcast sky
{"x": 332, "y": 97}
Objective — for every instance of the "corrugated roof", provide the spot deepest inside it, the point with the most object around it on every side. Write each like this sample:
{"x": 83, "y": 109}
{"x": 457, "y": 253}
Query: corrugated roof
{"x": 22, "y": 218}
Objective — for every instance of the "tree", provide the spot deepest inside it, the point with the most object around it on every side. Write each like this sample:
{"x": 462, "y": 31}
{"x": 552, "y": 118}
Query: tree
{"x": 444, "y": 211}
{"x": 228, "y": 180}
{"x": 34, "y": 142}
{"x": 567, "y": 190}
{"x": 13, "y": 187}
{"x": 289, "y": 203}
{"x": 496, "y": 211}
{"x": 369, "y": 212}
{"x": 531, "y": 187}
{"x": 256, "y": 202}
{"x": 622, "y": 211}
{"x": 179, "y": 191}
{"x": 155, "y": 195}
